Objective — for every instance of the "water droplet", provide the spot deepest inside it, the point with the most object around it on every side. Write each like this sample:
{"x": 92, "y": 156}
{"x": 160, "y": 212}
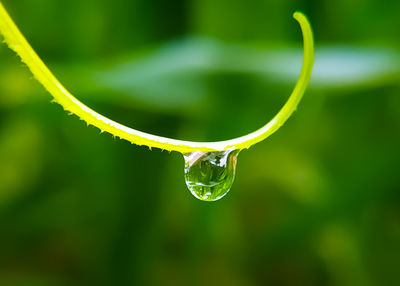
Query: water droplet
{"x": 209, "y": 175}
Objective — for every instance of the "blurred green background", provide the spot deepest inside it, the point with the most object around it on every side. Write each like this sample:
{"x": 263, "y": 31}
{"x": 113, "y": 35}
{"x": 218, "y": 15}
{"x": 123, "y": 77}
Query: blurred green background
{"x": 318, "y": 203}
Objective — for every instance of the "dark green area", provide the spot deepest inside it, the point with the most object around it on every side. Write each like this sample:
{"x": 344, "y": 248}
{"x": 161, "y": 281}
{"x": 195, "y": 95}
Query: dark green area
{"x": 318, "y": 203}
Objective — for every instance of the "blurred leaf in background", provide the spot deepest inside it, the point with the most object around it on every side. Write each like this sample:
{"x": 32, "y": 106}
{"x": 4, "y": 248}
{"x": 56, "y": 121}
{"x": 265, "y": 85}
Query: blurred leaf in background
{"x": 316, "y": 204}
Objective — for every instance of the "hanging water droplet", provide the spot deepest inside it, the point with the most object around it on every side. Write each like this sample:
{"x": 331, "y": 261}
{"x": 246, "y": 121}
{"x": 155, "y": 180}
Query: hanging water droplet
{"x": 209, "y": 175}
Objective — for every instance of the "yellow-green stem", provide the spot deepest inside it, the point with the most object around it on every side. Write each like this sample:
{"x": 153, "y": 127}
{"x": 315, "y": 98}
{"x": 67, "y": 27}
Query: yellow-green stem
{"x": 17, "y": 42}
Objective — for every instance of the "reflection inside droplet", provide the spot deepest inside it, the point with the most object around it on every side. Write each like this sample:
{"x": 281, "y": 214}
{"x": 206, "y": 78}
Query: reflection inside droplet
{"x": 210, "y": 175}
